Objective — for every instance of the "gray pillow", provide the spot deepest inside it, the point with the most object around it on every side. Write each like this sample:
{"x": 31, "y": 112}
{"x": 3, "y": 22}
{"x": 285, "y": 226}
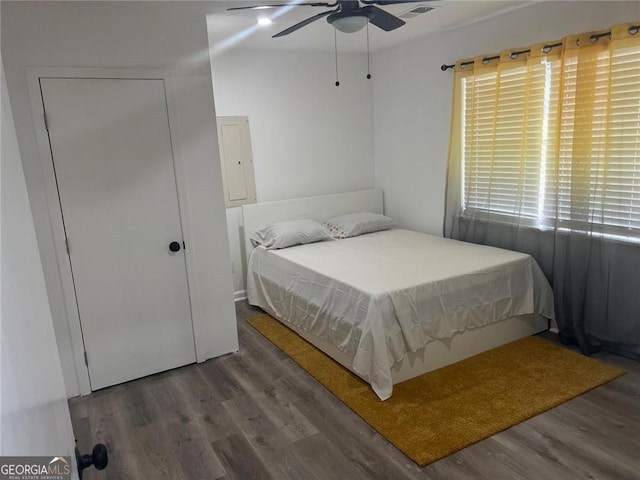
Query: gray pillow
{"x": 288, "y": 233}
{"x": 354, "y": 224}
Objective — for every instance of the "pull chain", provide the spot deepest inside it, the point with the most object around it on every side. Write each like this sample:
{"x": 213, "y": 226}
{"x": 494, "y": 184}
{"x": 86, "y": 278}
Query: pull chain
{"x": 368, "y": 53}
{"x": 335, "y": 43}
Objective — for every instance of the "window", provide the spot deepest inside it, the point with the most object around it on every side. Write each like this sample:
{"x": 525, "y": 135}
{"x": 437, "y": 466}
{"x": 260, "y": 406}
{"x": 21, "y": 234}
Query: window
{"x": 554, "y": 138}
{"x": 508, "y": 115}
{"x": 599, "y": 154}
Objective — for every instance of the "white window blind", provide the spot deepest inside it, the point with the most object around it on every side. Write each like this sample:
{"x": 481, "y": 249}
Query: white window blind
{"x": 555, "y": 141}
{"x": 599, "y": 174}
{"x": 507, "y": 116}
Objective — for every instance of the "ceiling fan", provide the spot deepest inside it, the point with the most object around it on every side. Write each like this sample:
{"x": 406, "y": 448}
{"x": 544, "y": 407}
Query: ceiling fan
{"x": 348, "y": 17}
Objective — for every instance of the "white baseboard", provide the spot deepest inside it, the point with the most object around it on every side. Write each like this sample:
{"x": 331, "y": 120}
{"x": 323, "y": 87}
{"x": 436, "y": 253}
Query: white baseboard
{"x": 554, "y": 330}
{"x": 239, "y": 295}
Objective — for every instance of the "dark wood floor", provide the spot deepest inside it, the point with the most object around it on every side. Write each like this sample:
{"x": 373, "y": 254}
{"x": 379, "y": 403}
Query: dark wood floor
{"x": 257, "y": 415}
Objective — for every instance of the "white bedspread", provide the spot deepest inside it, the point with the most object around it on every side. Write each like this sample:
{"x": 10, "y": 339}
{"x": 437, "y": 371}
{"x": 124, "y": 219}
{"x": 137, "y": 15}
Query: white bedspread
{"x": 380, "y": 295}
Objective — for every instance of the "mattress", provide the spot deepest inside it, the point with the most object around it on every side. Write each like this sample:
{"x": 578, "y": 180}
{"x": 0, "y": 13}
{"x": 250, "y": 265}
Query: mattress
{"x": 380, "y": 295}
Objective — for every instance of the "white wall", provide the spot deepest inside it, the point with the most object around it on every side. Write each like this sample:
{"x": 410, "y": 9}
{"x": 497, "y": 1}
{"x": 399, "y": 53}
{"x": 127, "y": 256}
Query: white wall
{"x": 308, "y": 136}
{"x": 412, "y": 97}
{"x": 34, "y": 417}
{"x": 130, "y": 34}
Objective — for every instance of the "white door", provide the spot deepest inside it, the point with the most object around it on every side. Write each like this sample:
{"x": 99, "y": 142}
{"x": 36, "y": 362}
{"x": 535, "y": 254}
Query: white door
{"x": 113, "y": 161}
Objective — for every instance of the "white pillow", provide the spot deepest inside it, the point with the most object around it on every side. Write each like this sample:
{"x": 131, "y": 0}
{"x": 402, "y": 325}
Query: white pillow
{"x": 354, "y": 224}
{"x": 288, "y": 233}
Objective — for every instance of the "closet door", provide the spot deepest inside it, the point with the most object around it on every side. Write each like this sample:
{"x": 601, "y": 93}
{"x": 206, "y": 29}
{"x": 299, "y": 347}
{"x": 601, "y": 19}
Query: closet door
{"x": 113, "y": 161}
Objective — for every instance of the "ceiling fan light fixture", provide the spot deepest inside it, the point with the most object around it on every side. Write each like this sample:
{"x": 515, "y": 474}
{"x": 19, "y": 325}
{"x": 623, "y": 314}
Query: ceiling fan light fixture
{"x": 348, "y": 24}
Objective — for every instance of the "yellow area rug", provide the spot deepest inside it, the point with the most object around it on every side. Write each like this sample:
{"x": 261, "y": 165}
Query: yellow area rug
{"x": 440, "y": 412}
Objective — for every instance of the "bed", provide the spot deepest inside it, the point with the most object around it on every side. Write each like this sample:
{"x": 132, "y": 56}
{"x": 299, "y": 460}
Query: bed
{"x": 393, "y": 304}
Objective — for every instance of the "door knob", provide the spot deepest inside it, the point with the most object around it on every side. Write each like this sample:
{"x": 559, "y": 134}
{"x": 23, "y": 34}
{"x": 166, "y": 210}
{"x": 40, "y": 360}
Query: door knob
{"x": 98, "y": 458}
{"x": 174, "y": 246}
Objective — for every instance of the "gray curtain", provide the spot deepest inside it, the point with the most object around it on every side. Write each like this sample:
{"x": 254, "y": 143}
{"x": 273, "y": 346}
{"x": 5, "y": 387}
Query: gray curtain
{"x": 545, "y": 159}
{"x": 596, "y": 281}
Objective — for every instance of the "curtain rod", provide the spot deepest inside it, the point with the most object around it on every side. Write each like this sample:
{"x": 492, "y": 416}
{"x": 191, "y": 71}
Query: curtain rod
{"x": 633, "y": 29}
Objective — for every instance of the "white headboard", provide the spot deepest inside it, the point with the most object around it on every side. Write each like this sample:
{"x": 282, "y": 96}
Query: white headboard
{"x": 316, "y": 208}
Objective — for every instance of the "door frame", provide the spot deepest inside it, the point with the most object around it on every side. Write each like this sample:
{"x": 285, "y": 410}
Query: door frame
{"x": 56, "y": 225}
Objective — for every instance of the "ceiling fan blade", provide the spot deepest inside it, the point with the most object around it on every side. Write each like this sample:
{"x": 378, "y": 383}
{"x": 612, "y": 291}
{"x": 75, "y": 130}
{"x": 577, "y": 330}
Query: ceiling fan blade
{"x": 391, "y": 2}
{"x": 278, "y": 5}
{"x": 304, "y": 23}
{"x": 382, "y": 19}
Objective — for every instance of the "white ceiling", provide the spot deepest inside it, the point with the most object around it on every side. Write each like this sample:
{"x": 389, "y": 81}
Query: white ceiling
{"x": 239, "y": 28}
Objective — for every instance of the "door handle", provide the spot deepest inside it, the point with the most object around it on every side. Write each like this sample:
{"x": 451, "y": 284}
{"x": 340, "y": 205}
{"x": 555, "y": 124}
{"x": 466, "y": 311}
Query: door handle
{"x": 98, "y": 458}
{"x": 174, "y": 246}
